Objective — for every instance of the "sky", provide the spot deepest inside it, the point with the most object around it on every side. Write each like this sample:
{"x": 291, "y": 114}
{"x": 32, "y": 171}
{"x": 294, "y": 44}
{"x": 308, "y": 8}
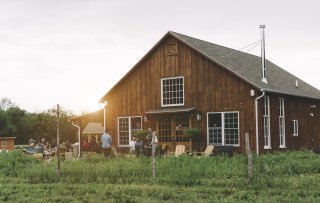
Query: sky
{"x": 71, "y": 52}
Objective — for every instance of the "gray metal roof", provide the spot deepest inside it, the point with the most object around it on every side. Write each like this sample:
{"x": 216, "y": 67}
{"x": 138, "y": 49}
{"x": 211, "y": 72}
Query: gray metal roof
{"x": 248, "y": 67}
{"x": 170, "y": 110}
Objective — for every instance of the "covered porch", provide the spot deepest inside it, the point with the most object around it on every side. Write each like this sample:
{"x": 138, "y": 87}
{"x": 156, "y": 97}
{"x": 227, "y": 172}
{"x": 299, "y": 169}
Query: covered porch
{"x": 171, "y": 124}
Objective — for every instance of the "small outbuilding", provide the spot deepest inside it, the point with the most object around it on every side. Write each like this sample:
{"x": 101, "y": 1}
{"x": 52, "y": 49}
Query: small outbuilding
{"x": 93, "y": 131}
{"x": 7, "y": 143}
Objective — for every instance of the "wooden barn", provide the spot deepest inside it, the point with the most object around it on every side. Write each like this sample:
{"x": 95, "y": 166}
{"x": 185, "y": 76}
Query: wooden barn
{"x": 185, "y": 82}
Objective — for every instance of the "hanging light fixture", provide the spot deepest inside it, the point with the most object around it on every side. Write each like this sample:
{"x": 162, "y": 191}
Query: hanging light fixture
{"x": 198, "y": 116}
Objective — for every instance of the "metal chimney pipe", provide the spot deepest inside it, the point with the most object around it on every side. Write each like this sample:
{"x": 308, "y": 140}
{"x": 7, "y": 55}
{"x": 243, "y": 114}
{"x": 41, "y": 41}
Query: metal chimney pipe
{"x": 263, "y": 59}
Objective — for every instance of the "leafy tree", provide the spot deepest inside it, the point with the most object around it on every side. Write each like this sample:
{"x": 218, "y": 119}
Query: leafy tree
{"x": 24, "y": 125}
{"x": 6, "y": 103}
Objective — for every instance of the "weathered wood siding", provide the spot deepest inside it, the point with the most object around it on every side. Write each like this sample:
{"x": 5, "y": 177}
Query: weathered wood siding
{"x": 208, "y": 87}
{"x": 7, "y": 143}
{"x": 306, "y": 111}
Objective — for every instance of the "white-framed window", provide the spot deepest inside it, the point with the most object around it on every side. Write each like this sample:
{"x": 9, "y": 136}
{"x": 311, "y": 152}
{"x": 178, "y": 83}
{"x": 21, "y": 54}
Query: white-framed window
{"x": 223, "y": 128}
{"x": 266, "y": 122}
{"x": 127, "y": 126}
{"x": 282, "y": 127}
{"x": 172, "y": 91}
{"x": 295, "y": 125}
{"x": 4, "y": 143}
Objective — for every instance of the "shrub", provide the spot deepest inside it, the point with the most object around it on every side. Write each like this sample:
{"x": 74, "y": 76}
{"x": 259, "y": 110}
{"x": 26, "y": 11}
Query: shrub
{"x": 141, "y": 134}
{"x": 193, "y": 133}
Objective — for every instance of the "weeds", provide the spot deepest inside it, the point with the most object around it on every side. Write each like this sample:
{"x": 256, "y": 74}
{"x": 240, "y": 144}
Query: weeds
{"x": 278, "y": 177}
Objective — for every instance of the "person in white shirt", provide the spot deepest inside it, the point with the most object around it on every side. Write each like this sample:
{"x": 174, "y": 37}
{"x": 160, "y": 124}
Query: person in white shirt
{"x": 154, "y": 142}
{"x": 131, "y": 144}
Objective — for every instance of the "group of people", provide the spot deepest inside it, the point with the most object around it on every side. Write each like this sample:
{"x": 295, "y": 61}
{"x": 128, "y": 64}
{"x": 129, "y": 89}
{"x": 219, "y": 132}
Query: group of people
{"x": 150, "y": 145}
{"x": 90, "y": 145}
{"x": 44, "y": 147}
{"x": 104, "y": 146}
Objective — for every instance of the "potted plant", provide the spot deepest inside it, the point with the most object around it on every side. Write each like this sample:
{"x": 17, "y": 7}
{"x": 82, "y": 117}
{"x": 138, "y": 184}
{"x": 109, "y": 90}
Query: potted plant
{"x": 193, "y": 133}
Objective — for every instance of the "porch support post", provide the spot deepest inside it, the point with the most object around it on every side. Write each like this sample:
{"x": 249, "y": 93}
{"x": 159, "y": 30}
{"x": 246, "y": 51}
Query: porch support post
{"x": 105, "y": 115}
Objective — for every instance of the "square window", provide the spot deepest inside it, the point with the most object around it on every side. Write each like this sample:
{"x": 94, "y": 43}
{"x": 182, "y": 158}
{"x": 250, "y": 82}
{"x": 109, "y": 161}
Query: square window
{"x": 223, "y": 128}
{"x": 172, "y": 91}
{"x": 127, "y": 126}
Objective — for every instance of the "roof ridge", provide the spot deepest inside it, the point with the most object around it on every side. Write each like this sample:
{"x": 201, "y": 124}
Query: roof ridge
{"x": 232, "y": 49}
{"x": 242, "y": 64}
{"x": 237, "y": 58}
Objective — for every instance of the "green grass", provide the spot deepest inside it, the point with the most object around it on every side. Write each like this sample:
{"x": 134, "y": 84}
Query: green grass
{"x": 278, "y": 177}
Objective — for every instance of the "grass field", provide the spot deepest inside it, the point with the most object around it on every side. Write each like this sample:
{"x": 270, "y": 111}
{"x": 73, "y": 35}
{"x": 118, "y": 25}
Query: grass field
{"x": 278, "y": 177}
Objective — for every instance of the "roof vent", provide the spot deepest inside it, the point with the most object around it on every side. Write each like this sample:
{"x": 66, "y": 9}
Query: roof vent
{"x": 297, "y": 83}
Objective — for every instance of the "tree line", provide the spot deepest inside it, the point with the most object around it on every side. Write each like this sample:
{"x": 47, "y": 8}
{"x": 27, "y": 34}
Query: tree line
{"x": 16, "y": 122}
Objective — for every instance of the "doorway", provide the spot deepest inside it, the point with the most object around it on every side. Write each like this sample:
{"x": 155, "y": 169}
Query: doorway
{"x": 171, "y": 130}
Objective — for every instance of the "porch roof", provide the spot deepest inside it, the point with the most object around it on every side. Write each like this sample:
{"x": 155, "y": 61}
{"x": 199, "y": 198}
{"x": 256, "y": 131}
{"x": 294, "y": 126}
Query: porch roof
{"x": 7, "y": 138}
{"x": 170, "y": 110}
{"x": 91, "y": 115}
{"x": 93, "y": 128}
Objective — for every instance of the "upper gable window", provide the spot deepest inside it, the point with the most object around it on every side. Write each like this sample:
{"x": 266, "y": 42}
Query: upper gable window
{"x": 172, "y": 49}
{"x": 172, "y": 91}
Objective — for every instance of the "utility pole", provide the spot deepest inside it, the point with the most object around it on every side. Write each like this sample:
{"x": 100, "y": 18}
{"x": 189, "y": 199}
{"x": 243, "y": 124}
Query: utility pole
{"x": 58, "y": 141}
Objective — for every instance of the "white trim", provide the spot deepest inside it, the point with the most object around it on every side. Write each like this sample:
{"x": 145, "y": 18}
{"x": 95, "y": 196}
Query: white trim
{"x": 295, "y": 126}
{"x": 257, "y": 120}
{"x": 130, "y": 130}
{"x": 161, "y": 87}
{"x": 283, "y": 125}
{"x": 266, "y": 116}
{"x": 223, "y": 128}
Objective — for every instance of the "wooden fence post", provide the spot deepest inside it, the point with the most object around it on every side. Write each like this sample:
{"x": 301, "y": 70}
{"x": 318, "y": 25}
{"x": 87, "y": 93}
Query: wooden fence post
{"x": 249, "y": 154}
{"x": 58, "y": 141}
{"x": 154, "y": 151}
{"x": 153, "y": 167}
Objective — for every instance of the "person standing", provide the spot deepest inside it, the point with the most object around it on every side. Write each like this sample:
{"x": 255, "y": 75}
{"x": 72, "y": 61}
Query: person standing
{"x": 138, "y": 146}
{"x": 154, "y": 143}
{"x": 148, "y": 143}
{"x": 131, "y": 144}
{"x": 106, "y": 142}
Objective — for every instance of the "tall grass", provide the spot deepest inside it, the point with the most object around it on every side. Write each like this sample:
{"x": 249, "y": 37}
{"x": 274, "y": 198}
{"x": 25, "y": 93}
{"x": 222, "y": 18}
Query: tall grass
{"x": 278, "y": 177}
{"x": 184, "y": 171}
{"x": 14, "y": 162}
